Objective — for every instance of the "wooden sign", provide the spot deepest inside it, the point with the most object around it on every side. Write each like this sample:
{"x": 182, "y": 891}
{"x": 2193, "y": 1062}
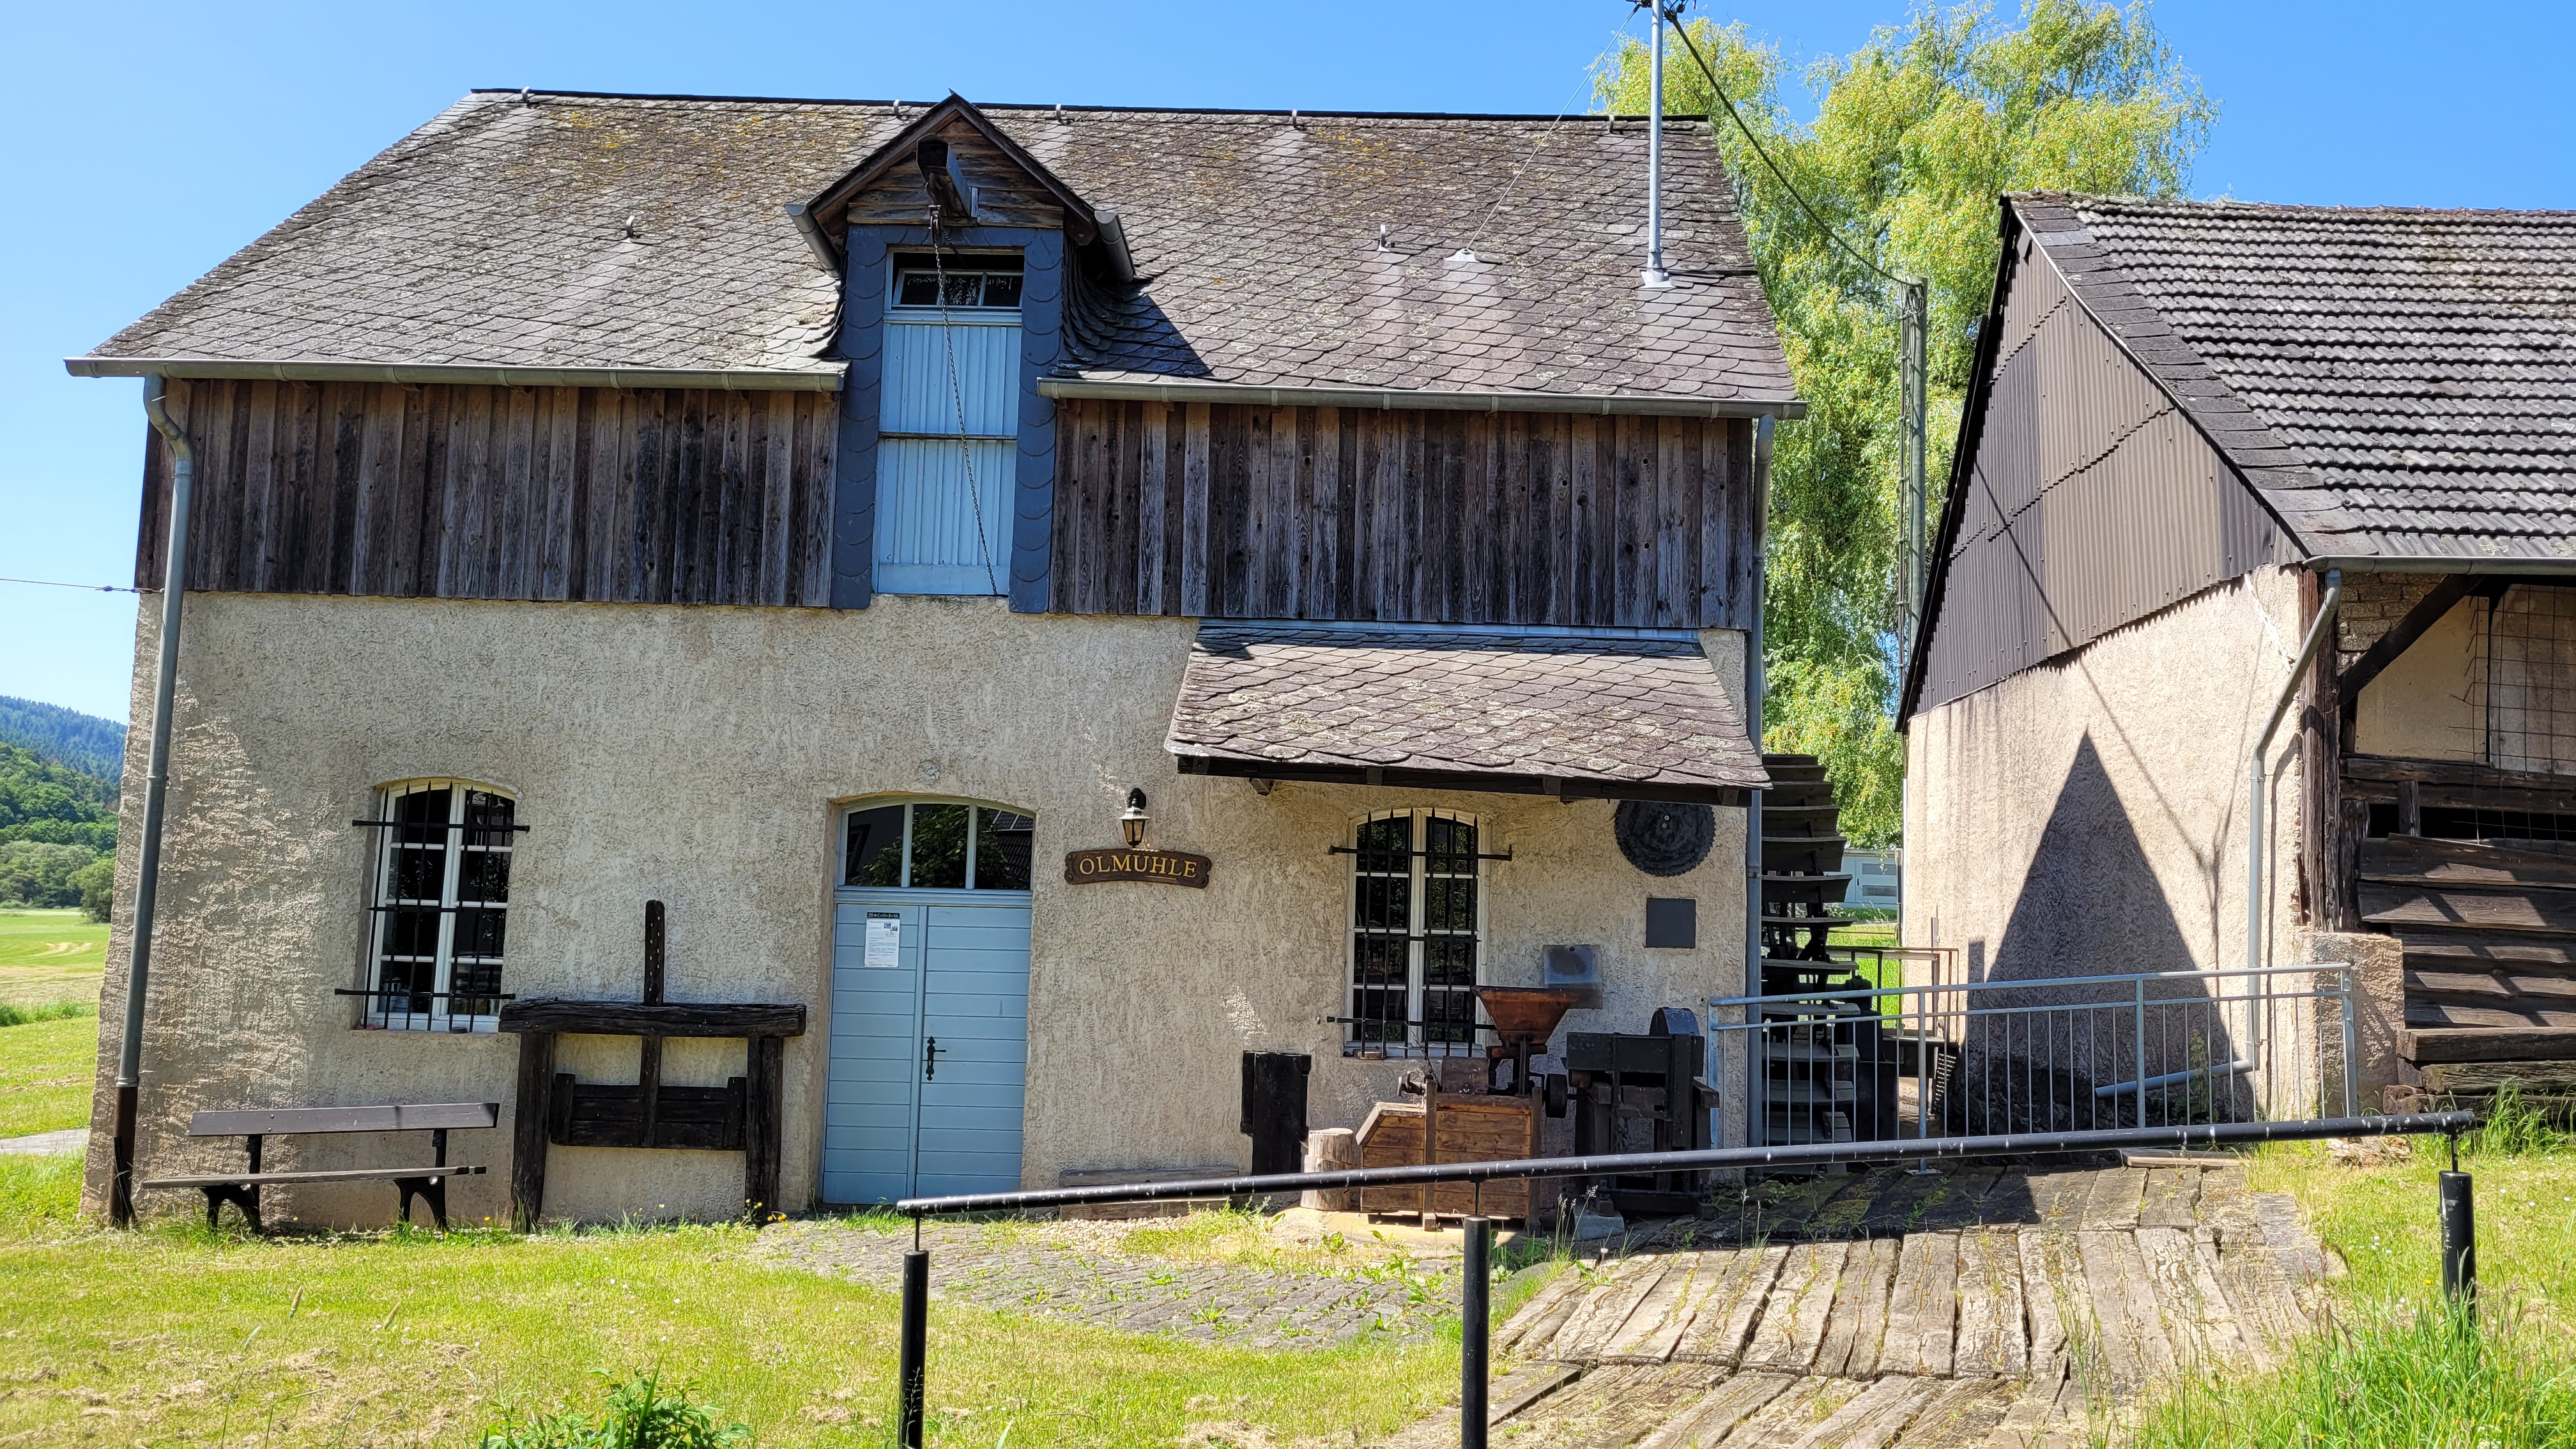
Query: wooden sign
{"x": 1166, "y": 867}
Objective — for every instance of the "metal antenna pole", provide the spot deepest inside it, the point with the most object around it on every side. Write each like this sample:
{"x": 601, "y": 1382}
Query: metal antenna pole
{"x": 1655, "y": 275}
{"x": 156, "y": 779}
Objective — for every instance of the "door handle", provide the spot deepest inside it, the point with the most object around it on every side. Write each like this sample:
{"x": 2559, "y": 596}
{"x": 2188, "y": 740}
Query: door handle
{"x": 929, "y": 1058}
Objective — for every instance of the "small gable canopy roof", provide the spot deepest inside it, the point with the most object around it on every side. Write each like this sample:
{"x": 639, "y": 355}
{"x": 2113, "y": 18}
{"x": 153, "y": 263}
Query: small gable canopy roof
{"x": 2393, "y": 382}
{"x": 1388, "y": 260}
{"x": 1610, "y": 716}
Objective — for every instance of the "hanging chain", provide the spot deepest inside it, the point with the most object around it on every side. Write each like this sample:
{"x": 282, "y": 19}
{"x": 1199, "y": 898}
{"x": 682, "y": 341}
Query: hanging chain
{"x": 957, "y": 394}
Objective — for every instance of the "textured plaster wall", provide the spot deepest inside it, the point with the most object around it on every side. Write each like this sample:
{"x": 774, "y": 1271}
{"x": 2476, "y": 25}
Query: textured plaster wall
{"x": 697, "y": 756}
{"x": 2088, "y": 816}
{"x": 2430, "y": 702}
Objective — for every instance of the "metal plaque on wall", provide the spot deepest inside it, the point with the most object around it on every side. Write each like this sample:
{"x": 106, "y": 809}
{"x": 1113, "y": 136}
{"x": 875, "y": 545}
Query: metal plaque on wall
{"x": 1163, "y": 867}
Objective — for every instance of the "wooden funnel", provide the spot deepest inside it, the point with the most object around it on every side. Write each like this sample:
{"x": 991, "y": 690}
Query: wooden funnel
{"x": 1528, "y": 1013}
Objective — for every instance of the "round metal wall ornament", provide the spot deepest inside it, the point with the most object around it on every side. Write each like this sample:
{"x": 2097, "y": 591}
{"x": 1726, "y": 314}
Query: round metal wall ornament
{"x": 1662, "y": 839}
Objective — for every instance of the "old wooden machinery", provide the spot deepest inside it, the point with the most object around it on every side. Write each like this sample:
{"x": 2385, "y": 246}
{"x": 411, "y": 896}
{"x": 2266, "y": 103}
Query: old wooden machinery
{"x": 1479, "y": 1107}
{"x": 745, "y": 1115}
{"x": 1643, "y": 1092}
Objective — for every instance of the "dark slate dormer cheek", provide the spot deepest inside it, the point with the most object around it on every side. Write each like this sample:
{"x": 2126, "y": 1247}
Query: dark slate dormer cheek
{"x": 865, "y": 284}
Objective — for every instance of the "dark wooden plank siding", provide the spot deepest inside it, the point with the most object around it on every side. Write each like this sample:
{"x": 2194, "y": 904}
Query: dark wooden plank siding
{"x": 1365, "y": 514}
{"x": 1005, "y": 195}
{"x": 500, "y": 493}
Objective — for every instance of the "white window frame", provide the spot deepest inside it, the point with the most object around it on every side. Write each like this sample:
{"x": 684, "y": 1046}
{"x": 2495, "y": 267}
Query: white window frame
{"x": 379, "y": 1014}
{"x": 976, "y": 262}
{"x": 1419, "y": 873}
{"x": 841, "y": 843}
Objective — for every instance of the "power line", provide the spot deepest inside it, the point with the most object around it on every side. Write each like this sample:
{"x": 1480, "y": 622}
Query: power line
{"x": 1831, "y": 234}
{"x": 57, "y": 584}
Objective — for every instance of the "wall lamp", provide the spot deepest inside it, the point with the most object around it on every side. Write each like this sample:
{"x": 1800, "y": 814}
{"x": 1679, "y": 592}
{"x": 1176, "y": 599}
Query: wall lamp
{"x": 1133, "y": 818}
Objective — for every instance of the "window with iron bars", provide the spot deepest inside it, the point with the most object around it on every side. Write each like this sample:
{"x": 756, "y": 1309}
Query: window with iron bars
{"x": 441, "y": 901}
{"x": 1417, "y": 933}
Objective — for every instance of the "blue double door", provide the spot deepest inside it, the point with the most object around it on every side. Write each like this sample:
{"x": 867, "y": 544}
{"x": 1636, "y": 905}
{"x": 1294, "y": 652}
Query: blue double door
{"x": 928, "y": 1077}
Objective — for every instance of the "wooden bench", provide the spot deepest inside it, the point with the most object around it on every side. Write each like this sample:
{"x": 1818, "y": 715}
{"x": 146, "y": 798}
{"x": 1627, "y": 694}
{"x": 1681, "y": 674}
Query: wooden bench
{"x": 428, "y": 1183}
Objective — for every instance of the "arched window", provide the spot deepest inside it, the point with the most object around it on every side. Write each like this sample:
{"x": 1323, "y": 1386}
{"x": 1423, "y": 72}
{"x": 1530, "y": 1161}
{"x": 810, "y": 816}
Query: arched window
{"x": 1417, "y": 931}
{"x": 441, "y": 903}
{"x": 938, "y": 845}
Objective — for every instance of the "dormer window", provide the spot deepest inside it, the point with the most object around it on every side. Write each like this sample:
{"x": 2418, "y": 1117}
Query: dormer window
{"x": 986, "y": 283}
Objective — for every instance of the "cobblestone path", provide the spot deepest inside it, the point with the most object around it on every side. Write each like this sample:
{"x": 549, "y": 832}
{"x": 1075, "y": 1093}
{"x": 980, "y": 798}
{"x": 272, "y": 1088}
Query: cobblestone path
{"x": 1077, "y": 1271}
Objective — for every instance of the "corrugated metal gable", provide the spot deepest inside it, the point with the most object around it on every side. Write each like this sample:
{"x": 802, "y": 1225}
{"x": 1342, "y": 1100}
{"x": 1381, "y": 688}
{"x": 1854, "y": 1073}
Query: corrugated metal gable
{"x": 2091, "y": 502}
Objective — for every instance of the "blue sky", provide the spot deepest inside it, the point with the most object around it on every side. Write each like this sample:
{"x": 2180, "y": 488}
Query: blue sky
{"x": 150, "y": 141}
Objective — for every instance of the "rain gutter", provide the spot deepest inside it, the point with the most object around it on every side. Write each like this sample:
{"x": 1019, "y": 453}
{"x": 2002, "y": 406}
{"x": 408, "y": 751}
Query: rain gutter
{"x": 1420, "y": 399}
{"x": 2440, "y": 563}
{"x": 726, "y": 379}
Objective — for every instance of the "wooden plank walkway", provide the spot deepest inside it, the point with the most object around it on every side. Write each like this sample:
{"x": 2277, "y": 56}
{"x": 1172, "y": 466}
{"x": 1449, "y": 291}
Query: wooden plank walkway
{"x": 1976, "y": 1309}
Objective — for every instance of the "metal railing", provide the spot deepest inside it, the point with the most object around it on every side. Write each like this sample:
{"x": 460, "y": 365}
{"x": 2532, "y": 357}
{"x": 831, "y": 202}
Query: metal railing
{"x": 2077, "y": 1053}
{"x": 1475, "y": 1307}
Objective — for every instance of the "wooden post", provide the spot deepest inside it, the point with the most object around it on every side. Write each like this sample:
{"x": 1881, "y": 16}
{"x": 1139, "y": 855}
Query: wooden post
{"x": 1332, "y": 1149}
{"x": 765, "y": 1113}
{"x": 1430, "y": 1137}
{"x": 648, "y": 1076}
{"x": 528, "y": 1130}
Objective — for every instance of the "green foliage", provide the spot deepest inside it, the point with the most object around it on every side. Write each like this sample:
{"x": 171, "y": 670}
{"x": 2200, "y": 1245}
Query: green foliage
{"x": 2510, "y": 1125}
{"x": 45, "y": 802}
{"x": 34, "y": 874}
{"x": 12, "y": 1014}
{"x": 84, "y": 742}
{"x": 1915, "y": 136}
{"x": 2434, "y": 1375}
{"x": 639, "y": 1414}
{"x": 96, "y": 883}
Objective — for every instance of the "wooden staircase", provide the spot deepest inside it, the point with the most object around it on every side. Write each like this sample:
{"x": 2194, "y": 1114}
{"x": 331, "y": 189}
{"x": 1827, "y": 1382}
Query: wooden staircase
{"x": 1802, "y": 866}
{"x": 2489, "y": 934}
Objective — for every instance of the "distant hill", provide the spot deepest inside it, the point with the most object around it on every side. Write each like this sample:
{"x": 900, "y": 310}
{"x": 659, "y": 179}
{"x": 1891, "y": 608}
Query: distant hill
{"x": 84, "y": 742}
{"x": 54, "y": 804}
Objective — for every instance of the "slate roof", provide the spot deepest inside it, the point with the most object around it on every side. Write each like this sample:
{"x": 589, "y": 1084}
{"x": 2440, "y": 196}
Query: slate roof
{"x": 1620, "y": 712}
{"x": 2394, "y": 382}
{"x": 496, "y": 235}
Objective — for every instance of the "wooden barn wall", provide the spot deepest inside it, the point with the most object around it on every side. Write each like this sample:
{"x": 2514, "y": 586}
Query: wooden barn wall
{"x": 629, "y": 496}
{"x": 2091, "y": 502}
{"x": 1246, "y": 512}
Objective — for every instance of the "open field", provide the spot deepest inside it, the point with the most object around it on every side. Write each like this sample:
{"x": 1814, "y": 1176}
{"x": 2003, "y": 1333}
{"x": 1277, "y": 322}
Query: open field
{"x": 48, "y": 956}
{"x": 45, "y": 1074}
{"x": 174, "y": 1335}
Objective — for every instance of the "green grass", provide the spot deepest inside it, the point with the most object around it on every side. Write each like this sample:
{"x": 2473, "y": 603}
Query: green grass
{"x": 399, "y": 1338}
{"x": 2397, "y": 1369}
{"x": 46, "y": 1073}
{"x": 49, "y": 956}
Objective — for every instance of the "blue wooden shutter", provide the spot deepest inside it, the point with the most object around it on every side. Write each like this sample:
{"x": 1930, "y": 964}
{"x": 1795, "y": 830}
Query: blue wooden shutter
{"x": 949, "y": 412}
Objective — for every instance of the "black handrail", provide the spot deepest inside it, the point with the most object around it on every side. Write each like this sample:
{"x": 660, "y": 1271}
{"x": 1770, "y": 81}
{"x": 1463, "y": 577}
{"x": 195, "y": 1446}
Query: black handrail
{"x": 2458, "y": 1247}
{"x": 1812, "y": 1154}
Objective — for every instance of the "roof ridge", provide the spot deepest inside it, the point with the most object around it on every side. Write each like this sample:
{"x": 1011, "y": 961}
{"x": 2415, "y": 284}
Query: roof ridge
{"x": 2216, "y": 204}
{"x": 1671, "y": 119}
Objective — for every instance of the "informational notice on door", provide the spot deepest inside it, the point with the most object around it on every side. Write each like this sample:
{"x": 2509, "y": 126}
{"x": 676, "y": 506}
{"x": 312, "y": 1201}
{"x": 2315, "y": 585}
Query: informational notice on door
{"x": 885, "y": 940}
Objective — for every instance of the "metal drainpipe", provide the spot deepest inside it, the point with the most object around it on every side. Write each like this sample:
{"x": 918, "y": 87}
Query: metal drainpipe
{"x": 2254, "y": 828}
{"x": 138, "y": 971}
